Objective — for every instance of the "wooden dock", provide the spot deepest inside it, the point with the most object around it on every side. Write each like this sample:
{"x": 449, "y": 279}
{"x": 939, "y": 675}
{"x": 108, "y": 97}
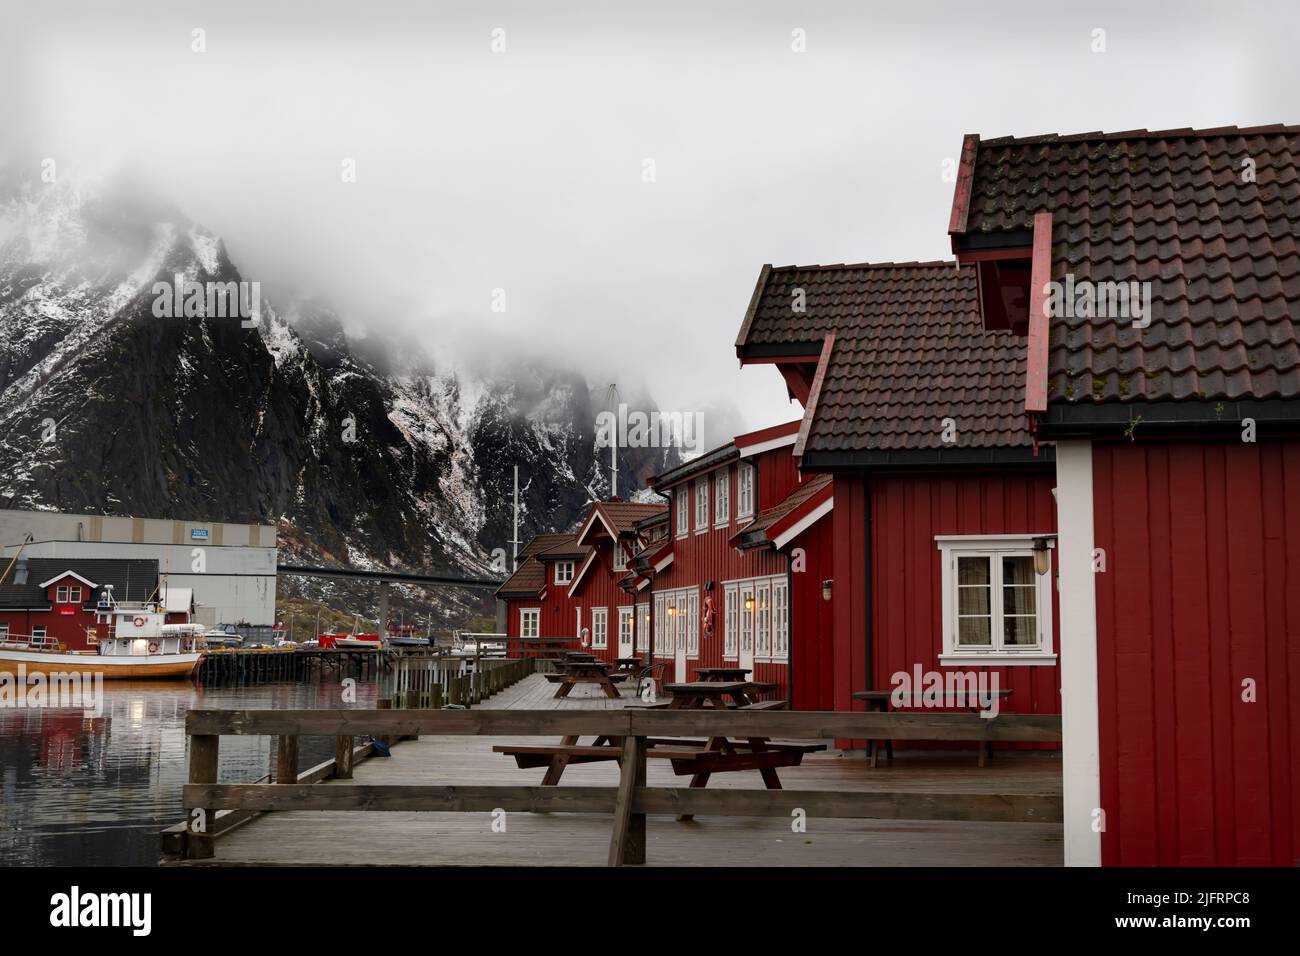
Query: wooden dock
{"x": 398, "y": 837}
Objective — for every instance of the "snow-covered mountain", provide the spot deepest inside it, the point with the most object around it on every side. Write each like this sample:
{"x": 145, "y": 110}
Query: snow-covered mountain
{"x": 363, "y": 452}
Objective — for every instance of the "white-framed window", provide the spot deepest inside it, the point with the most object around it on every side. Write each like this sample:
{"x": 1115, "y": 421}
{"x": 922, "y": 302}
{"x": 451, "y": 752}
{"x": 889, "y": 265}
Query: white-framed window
{"x": 780, "y": 619}
{"x": 682, "y": 621}
{"x": 747, "y": 618}
{"x": 763, "y": 620}
{"x": 563, "y": 572}
{"x": 38, "y": 634}
{"x": 702, "y": 505}
{"x": 61, "y": 594}
{"x": 643, "y": 627}
{"x": 693, "y": 624}
{"x": 683, "y": 515}
{"x": 74, "y": 594}
{"x": 745, "y": 490}
{"x": 599, "y": 628}
{"x": 996, "y": 608}
{"x": 620, "y": 556}
{"x": 664, "y": 625}
{"x": 626, "y": 627}
{"x": 4, "y": 632}
{"x": 731, "y": 622}
{"x": 722, "y": 497}
{"x": 530, "y": 621}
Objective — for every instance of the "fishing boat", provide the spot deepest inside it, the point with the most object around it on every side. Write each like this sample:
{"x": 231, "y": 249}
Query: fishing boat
{"x": 138, "y": 646}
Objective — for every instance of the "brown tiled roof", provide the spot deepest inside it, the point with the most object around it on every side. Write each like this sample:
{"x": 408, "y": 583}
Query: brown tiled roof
{"x": 1170, "y": 208}
{"x": 910, "y": 351}
{"x": 545, "y": 542}
{"x": 528, "y": 580}
{"x": 755, "y": 532}
{"x": 624, "y": 515}
{"x": 530, "y": 577}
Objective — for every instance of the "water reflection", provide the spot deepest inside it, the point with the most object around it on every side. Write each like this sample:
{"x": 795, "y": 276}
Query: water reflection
{"x": 77, "y": 791}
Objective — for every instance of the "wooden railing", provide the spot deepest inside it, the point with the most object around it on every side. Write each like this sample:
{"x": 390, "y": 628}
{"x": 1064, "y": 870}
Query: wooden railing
{"x": 430, "y": 681}
{"x": 632, "y": 799}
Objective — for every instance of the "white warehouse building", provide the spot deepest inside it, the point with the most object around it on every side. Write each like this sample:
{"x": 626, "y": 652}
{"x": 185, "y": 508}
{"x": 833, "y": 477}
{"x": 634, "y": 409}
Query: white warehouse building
{"x": 230, "y": 567}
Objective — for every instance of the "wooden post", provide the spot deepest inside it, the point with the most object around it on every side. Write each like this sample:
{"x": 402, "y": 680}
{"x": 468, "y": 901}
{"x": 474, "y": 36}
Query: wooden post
{"x": 343, "y": 757}
{"x": 199, "y": 842}
{"x": 627, "y": 845}
{"x": 286, "y": 763}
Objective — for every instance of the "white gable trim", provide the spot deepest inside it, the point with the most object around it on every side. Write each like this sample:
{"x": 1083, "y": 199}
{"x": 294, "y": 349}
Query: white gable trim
{"x": 68, "y": 574}
{"x": 578, "y": 577}
{"x": 821, "y": 511}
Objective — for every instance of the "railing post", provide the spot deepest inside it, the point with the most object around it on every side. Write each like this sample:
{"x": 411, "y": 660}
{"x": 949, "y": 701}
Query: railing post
{"x": 286, "y": 762}
{"x": 343, "y": 757}
{"x": 627, "y": 845}
{"x": 199, "y": 841}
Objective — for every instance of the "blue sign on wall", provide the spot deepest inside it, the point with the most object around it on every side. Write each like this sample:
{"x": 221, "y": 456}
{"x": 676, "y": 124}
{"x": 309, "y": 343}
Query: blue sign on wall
{"x": 198, "y": 534}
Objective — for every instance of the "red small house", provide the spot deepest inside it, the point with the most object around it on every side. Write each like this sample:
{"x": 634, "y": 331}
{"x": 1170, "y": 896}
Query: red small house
{"x": 55, "y": 600}
{"x": 1155, "y": 279}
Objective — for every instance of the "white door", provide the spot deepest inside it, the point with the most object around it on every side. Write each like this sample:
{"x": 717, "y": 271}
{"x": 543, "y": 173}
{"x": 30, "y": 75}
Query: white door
{"x": 747, "y": 615}
{"x": 626, "y": 626}
{"x": 683, "y": 629}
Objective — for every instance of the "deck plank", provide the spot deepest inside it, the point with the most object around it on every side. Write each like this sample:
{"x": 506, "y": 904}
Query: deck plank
{"x": 459, "y": 839}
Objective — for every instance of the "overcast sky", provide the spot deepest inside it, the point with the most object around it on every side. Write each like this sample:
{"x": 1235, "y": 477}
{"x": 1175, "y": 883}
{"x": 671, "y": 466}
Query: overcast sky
{"x": 524, "y": 170}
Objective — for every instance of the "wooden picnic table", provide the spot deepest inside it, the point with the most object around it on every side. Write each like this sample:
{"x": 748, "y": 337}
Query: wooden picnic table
{"x": 882, "y": 700}
{"x": 570, "y": 673}
{"x": 717, "y": 693}
{"x": 723, "y": 673}
{"x": 628, "y": 663}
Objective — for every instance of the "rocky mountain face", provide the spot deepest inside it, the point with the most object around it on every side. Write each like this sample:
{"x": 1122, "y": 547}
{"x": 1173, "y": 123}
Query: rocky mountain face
{"x": 363, "y": 452}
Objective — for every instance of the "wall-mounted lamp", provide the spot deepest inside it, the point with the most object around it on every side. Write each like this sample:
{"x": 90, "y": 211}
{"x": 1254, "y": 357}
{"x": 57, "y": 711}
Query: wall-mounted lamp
{"x": 672, "y": 610}
{"x": 826, "y": 589}
{"x": 1043, "y": 555}
{"x": 749, "y": 603}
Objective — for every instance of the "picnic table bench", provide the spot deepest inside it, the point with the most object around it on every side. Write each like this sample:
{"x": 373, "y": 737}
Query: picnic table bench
{"x": 699, "y": 758}
{"x": 723, "y": 673}
{"x": 882, "y": 700}
{"x": 571, "y": 673}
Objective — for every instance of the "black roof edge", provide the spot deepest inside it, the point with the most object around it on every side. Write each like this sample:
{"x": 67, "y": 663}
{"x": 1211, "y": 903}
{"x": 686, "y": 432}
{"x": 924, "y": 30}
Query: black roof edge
{"x": 654, "y": 519}
{"x": 1141, "y": 418}
{"x": 700, "y": 463}
{"x": 1009, "y": 239}
{"x": 779, "y": 349}
{"x": 926, "y": 457}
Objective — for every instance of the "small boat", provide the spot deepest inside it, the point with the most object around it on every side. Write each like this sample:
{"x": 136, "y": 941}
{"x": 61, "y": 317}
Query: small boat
{"x": 351, "y": 642}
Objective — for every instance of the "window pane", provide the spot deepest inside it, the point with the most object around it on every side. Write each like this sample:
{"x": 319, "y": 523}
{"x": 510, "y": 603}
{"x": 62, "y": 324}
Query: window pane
{"x": 1020, "y": 630}
{"x": 973, "y": 601}
{"x": 1019, "y": 600}
{"x": 973, "y": 630}
{"x": 973, "y": 570}
{"x": 1018, "y": 570}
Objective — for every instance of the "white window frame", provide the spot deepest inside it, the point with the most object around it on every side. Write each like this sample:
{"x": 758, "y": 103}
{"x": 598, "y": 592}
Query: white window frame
{"x": 4, "y": 632}
{"x": 626, "y": 627}
{"x": 762, "y": 620}
{"x": 683, "y": 515}
{"x": 745, "y": 490}
{"x": 643, "y": 627}
{"x": 722, "y": 498}
{"x": 74, "y": 593}
{"x": 61, "y": 594}
{"x": 599, "y": 628}
{"x": 994, "y": 547}
{"x": 731, "y": 623}
{"x": 693, "y": 623}
{"x": 563, "y": 572}
{"x": 665, "y": 626}
{"x": 702, "y": 504}
{"x": 620, "y": 556}
{"x": 39, "y": 633}
{"x": 780, "y": 619}
{"x": 525, "y": 613}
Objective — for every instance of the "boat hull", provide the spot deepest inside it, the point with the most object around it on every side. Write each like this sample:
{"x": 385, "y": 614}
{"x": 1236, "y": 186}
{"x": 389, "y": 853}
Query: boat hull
{"x": 156, "y": 667}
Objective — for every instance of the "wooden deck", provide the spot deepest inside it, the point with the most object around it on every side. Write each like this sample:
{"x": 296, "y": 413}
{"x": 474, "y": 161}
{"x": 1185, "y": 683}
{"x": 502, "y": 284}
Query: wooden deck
{"x": 405, "y": 838}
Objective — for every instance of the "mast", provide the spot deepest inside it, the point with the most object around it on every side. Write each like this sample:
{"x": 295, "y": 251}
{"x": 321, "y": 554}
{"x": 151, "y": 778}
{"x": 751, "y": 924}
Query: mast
{"x": 514, "y": 537}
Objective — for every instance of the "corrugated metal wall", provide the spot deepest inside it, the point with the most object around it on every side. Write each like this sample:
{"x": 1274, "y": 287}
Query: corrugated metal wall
{"x": 1201, "y": 593}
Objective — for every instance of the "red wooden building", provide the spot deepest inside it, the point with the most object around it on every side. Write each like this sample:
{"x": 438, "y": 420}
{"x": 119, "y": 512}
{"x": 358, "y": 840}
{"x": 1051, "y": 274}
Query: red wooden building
{"x": 737, "y": 579}
{"x": 1156, "y": 280}
{"x": 55, "y": 600}
{"x": 913, "y": 416}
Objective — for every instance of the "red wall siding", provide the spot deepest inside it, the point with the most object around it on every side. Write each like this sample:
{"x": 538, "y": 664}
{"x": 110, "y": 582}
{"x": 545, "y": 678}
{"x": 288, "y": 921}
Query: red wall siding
{"x": 907, "y": 512}
{"x": 1201, "y": 591}
{"x": 851, "y": 598}
{"x": 812, "y": 658}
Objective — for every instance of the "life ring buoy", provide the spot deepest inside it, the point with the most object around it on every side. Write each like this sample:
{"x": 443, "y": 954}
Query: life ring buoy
{"x": 153, "y": 647}
{"x": 137, "y": 621}
{"x": 708, "y": 616}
